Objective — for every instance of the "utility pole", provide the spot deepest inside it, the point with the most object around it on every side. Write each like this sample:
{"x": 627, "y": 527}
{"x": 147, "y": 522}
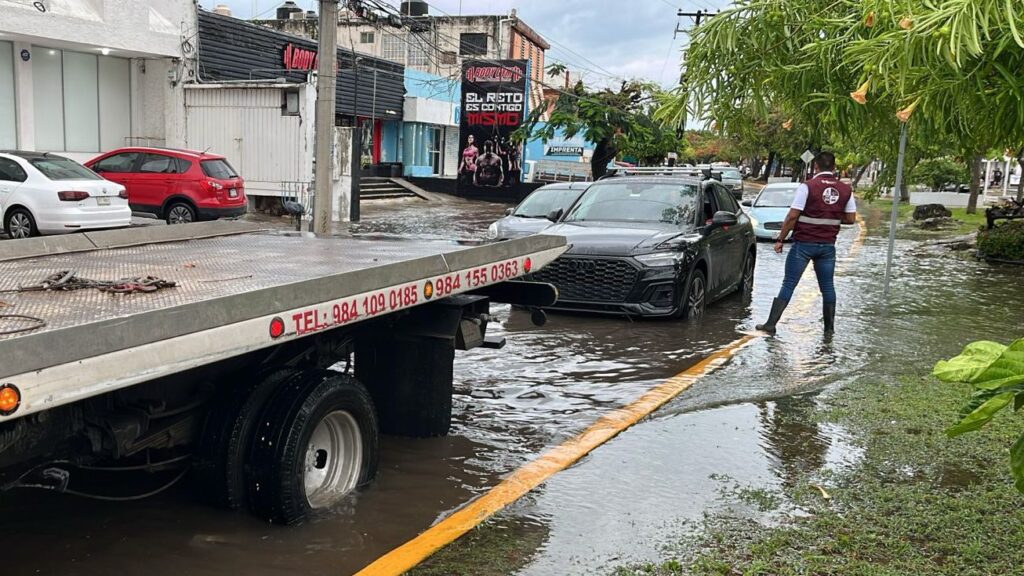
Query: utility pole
{"x": 326, "y": 82}
{"x": 697, "y": 17}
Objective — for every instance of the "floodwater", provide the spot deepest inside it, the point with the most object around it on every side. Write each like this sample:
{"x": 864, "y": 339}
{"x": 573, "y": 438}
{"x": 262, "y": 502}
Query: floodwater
{"x": 737, "y": 427}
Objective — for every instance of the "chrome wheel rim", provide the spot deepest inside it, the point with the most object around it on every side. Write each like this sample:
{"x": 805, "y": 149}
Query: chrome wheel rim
{"x": 334, "y": 458}
{"x": 20, "y": 226}
{"x": 695, "y": 300}
{"x": 180, "y": 215}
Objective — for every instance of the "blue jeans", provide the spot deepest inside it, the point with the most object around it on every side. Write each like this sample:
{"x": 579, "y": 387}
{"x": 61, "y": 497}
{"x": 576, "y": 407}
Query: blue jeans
{"x": 824, "y": 258}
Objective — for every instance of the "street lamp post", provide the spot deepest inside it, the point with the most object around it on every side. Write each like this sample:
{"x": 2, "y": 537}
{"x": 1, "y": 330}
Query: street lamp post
{"x": 895, "y": 205}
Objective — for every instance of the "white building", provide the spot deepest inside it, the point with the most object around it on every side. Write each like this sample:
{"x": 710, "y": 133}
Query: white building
{"x": 85, "y": 76}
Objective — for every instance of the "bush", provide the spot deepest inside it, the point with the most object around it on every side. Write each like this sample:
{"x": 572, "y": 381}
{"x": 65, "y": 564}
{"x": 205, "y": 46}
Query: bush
{"x": 1004, "y": 241}
{"x": 937, "y": 172}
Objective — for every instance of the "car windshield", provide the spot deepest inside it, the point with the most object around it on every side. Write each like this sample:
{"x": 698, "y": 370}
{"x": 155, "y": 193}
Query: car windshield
{"x": 219, "y": 169}
{"x": 776, "y": 197}
{"x": 57, "y": 168}
{"x": 545, "y": 200}
{"x": 630, "y": 201}
{"x": 731, "y": 174}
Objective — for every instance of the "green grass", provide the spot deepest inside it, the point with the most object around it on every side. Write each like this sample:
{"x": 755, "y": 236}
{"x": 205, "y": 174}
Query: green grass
{"x": 916, "y": 503}
{"x": 969, "y": 222}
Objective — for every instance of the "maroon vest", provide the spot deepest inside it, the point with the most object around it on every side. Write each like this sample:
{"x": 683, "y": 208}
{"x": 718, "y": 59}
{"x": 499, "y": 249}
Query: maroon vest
{"x": 826, "y": 203}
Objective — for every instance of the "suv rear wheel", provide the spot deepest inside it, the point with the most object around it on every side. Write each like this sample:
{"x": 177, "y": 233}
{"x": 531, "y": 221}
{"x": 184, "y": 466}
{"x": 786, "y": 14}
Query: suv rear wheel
{"x": 180, "y": 213}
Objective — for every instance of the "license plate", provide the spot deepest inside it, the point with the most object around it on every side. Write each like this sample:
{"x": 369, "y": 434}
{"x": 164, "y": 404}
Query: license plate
{"x": 103, "y": 201}
{"x": 232, "y": 193}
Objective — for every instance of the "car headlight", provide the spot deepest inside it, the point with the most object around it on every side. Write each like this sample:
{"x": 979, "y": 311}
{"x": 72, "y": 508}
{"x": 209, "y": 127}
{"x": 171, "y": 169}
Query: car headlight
{"x": 492, "y": 231}
{"x": 753, "y": 221}
{"x": 656, "y": 259}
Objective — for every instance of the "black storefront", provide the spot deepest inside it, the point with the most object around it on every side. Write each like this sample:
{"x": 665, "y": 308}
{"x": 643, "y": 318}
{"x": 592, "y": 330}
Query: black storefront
{"x": 233, "y": 50}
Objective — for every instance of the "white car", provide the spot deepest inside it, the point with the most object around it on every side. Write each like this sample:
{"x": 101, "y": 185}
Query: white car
{"x": 42, "y": 193}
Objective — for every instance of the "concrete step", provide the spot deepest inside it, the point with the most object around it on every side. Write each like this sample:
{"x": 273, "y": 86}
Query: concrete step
{"x": 385, "y": 195}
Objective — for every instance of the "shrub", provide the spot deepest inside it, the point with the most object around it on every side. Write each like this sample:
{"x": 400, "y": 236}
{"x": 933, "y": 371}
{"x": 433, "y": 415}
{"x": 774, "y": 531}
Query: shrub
{"x": 1004, "y": 241}
{"x": 937, "y": 172}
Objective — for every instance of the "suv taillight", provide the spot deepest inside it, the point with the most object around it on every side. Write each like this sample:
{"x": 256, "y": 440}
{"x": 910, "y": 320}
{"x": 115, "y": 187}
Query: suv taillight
{"x": 214, "y": 185}
{"x": 72, "y": 196}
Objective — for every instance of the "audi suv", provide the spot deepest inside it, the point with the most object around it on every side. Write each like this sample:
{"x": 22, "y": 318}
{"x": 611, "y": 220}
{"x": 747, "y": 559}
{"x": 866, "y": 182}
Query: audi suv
{"x": 652, "y": 246}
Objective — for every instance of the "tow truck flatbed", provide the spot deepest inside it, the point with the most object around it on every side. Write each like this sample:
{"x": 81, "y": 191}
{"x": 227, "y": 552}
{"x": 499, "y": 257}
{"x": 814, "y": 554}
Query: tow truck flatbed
{"x": 237, "y": 290}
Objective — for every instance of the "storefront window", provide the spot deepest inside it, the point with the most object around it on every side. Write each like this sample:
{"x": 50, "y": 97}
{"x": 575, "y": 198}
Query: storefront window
{"x": 48, "y": 98}
{"x": 8, "y": 127}
{"x": 82, "y": 101}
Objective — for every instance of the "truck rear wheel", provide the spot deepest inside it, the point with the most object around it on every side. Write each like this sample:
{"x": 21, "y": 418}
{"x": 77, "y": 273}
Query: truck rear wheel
{"x": 316, "y": 442}
{"x": 219, "y": 472}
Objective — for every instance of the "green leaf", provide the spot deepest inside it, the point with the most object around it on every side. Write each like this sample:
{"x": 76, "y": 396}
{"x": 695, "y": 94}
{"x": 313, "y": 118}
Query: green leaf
{"x": 1018, "y": 401}
{"x": 1017, "y": 463}
{"x": 981, "y": 415}
{"x": 976, "y": 357}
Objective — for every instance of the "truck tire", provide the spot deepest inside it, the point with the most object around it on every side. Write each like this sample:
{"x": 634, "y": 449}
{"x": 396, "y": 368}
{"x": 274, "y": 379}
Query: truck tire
{"x": 219, "y": 469}
{"x": 316, "y": 442}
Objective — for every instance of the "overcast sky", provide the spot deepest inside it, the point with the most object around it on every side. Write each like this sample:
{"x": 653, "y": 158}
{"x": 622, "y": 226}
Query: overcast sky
{"x": 601, "y": 38}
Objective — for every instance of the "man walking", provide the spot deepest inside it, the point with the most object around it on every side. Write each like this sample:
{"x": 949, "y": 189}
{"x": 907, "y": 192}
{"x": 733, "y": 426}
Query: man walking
{"x": 819, "y": 207}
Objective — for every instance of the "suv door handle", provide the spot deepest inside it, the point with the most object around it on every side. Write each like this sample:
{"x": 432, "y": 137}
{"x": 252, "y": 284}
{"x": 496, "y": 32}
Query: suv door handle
{"x": 731, "y": 239}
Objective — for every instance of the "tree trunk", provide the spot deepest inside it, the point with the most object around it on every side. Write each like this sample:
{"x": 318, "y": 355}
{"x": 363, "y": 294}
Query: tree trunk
{"x": 860, "y": 174}
{"x": 972, "y": 202}
{"x": 604, "y": 152}
{"x": 1020, "y": 183}
{"x": 767, "y": 167}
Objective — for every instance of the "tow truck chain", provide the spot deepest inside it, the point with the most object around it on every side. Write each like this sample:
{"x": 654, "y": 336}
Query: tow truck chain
{"x": 68, "y": 280}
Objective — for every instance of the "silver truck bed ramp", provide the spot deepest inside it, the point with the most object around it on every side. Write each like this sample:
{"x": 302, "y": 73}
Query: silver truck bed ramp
{"x": 230, "y": 289}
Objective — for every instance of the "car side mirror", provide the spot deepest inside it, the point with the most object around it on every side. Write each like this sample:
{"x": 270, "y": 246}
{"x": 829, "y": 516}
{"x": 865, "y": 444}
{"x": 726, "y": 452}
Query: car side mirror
{"x": 509, "y": 211}
{"x": 747, "y": 203}
{"x": 555, "y": 215}
{"x": 722, "y": 219}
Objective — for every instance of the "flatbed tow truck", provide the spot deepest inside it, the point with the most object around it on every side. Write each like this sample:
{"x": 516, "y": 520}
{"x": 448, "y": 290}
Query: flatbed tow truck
{"x": 262, "y": 364}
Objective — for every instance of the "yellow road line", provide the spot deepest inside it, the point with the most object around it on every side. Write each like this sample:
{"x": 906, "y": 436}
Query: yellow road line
{"x": 531, "y": 475}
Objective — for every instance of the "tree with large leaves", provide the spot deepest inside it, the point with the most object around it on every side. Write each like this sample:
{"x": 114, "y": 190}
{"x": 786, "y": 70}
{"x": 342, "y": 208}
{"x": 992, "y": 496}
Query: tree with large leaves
{"x": 855, "y": 69}
{"x": 615, "y": 120}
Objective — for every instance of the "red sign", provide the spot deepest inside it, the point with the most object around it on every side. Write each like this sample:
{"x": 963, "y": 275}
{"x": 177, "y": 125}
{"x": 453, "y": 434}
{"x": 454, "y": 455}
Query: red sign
{"x": 296, "y": 58}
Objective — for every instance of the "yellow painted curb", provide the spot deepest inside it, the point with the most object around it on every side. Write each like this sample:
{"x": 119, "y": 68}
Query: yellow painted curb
{"x": 532, "y": 474}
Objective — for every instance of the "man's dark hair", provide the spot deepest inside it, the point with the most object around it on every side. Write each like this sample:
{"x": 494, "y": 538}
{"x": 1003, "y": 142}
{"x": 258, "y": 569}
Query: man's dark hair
{"x": 825, "y": 161}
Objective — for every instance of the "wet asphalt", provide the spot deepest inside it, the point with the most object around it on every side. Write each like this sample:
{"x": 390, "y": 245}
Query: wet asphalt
{"x": 619, "y": 504}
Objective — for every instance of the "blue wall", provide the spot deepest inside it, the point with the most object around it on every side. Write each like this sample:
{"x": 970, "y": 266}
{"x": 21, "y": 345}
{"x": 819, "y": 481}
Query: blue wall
{"x": 423, "y": 85}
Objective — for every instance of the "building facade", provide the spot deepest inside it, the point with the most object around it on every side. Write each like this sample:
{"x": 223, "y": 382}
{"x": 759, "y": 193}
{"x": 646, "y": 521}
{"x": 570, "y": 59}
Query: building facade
{"x": 82, "y": 77}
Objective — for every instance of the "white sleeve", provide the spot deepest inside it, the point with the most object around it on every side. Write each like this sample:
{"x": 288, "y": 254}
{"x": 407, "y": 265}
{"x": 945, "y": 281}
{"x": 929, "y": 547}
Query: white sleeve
{"x": 851, "y": 205}
{"x": 800, "y": 198}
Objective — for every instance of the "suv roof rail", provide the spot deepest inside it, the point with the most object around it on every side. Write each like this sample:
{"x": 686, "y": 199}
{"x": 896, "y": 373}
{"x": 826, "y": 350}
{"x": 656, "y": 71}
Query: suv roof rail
{"x": 680, "y": 171}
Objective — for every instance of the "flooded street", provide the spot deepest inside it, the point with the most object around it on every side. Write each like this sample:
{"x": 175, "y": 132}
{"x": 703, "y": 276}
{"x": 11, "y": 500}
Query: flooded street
{"x": 733, "y": 428}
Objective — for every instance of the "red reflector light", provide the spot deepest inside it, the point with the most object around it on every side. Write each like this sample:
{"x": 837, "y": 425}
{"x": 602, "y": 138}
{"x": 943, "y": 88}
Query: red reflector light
{"x": 527, "y": 265}
{"x": 276, "y": 328}
{"x": 72, "y": 196}
{"x": 10, "y": 399}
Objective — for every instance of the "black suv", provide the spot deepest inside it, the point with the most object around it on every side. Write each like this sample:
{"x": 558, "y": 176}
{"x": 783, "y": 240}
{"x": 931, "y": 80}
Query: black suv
{"x": 651, "y": 245}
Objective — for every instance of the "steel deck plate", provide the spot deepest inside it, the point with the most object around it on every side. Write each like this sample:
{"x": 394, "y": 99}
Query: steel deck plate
{"x": 220, "y": 281}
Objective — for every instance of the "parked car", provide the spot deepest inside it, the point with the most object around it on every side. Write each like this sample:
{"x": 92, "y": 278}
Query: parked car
{"x": 652, "y": 246}
{"x": 179, "y": 186}
{"x": 768, "y": 210}
{"x": 42, "y": 193}
{"x": 531, "y": 215}
{"x": 733, "y": 180}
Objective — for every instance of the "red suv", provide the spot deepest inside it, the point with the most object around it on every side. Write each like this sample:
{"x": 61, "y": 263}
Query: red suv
{"x": 176, "y": 185}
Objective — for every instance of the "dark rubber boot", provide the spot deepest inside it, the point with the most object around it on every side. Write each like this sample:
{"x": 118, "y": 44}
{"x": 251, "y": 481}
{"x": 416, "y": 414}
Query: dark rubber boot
{"x": 778, "y": 307}
{"x": 829, "y": 314}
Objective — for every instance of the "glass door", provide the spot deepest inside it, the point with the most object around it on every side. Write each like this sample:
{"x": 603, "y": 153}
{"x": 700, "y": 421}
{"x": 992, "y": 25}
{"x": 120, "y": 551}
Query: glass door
{"x": 436, "y": 150}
